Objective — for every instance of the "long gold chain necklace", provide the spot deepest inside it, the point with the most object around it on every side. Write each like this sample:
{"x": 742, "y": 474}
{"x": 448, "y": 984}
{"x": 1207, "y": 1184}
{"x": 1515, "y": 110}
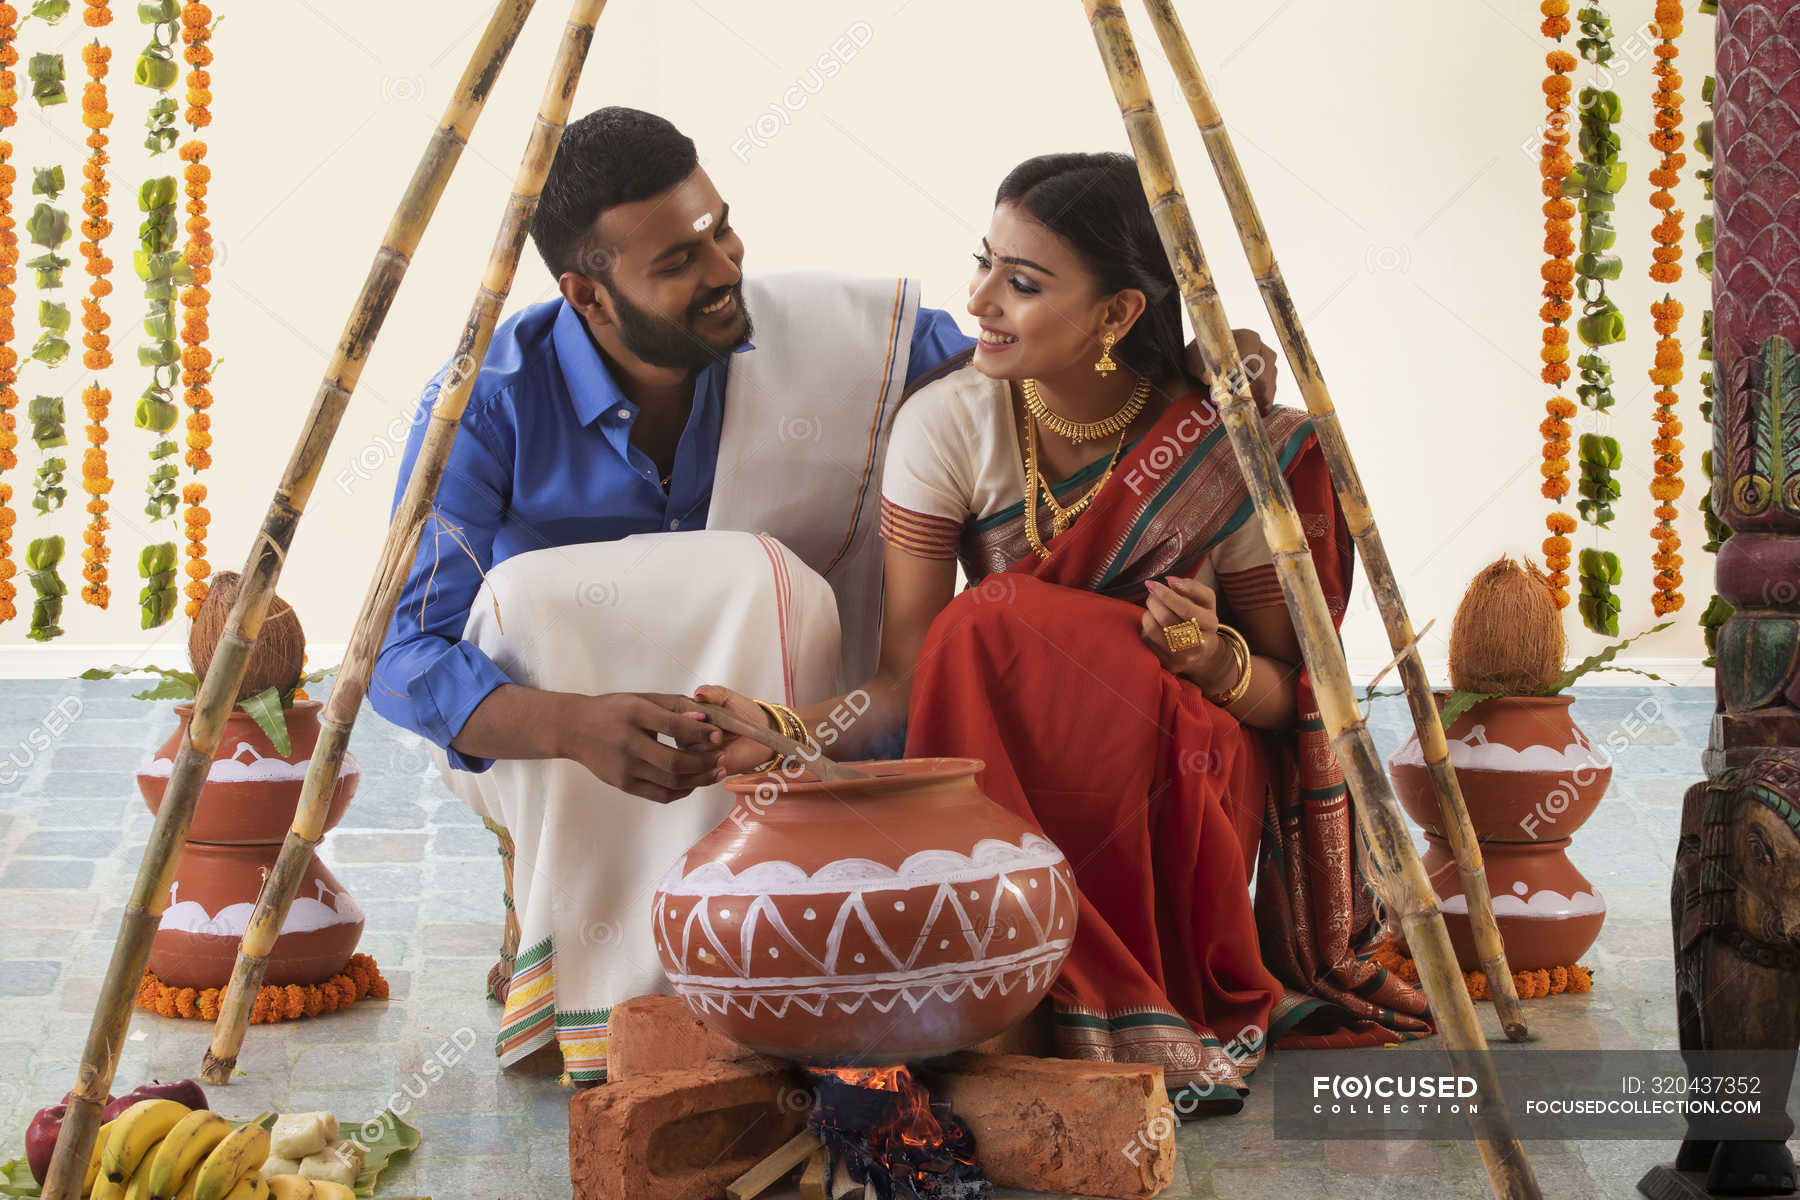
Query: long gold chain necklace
{"x": 1084, "y": 431}
{"x": 1060, "y": 517}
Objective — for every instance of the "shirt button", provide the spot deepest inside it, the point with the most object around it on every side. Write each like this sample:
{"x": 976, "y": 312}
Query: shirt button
{"x": 674, "y": 524}
{"x": 624, "y": 414}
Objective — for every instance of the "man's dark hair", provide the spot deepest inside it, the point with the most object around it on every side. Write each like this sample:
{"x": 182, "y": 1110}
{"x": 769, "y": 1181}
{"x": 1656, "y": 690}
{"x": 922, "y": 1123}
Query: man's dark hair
{"x": 1096, "y": 204}
{"x": 610, "y": 157}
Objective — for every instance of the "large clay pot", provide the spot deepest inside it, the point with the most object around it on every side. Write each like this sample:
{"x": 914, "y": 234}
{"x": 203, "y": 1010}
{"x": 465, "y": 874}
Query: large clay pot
{"x": 1529, "y": 778}
{"x": 869, "y": 922}
{"x": 240, "y": 820}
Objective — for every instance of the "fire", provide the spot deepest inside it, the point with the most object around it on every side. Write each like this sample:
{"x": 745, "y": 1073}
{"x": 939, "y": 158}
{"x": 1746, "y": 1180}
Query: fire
{"x": 921, "y": 1149}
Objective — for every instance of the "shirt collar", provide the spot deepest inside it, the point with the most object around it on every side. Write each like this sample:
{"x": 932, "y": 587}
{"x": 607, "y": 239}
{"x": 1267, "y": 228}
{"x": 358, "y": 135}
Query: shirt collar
{"x": 592, "y": 391}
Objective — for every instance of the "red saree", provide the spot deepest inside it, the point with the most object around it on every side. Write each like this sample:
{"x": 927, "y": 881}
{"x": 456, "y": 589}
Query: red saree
{"x": 1162, "y": 801}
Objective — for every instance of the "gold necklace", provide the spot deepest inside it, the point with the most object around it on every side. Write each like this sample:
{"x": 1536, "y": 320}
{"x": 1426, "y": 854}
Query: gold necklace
{"x": 1082, "y": 431}
{"x": 1060, "y": 517}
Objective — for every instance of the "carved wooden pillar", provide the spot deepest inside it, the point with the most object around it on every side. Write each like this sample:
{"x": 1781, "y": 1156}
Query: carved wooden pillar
{"x": 1736, "y": 891}
{"x": 1756, "y": 376}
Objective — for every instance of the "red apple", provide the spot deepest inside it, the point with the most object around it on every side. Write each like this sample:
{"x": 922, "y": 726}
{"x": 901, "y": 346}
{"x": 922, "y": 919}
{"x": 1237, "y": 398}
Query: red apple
{"x": 185, "y": 1090}
{"x": 41, "y": 1135}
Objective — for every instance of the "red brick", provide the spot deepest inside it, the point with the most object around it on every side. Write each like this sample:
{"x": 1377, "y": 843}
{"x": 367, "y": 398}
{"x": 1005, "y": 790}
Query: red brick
{"x": 661, "y": 1033}
{"x": 1059, "y": 1125}
{"x": 681, "y": 1135}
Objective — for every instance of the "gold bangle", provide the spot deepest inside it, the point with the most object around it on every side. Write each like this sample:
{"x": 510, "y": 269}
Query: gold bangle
{"x": 780, "y": 727}
{"x": 1240, "y": 650}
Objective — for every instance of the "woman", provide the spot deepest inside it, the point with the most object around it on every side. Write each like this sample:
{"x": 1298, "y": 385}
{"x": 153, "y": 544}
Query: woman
{"x": 1123, "y": 660}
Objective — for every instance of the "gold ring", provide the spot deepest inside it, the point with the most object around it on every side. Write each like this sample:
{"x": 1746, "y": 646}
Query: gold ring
{"x": 1184, "y": 635}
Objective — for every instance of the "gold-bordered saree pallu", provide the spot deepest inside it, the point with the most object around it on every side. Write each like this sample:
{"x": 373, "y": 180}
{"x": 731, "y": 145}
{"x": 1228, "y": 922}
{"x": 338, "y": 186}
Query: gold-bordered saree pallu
{"x": 1163, "y": 802}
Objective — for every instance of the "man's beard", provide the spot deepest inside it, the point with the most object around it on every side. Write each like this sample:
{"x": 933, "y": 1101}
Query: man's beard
{"x": 662, "y": 342}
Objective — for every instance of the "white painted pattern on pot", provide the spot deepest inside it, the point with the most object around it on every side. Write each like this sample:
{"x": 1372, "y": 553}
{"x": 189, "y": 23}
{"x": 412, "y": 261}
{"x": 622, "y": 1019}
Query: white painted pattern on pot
{"x": 308, "y": 914}
{"x": 1473, "y": 752}
{"x": 1546, "y": 903}
{"x": 245, "y": 765}
{"x": 1032, "y": 947}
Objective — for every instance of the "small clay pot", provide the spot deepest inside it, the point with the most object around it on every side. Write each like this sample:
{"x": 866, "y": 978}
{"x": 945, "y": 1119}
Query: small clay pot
{"x": 868, "y": 922}
{"x": 210, "y": 903}
{"x": 1547, "y": 911}
{"x": 1527, "y": 773}
{"x": 1529, "y": 779}
{"x": 241, "y": 819}
{"x": 251, "y": 790}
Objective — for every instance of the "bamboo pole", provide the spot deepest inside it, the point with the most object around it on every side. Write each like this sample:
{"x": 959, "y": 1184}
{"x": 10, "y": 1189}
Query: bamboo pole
{"x": 218, "y": 691}
{"x": 1458, "y": 829}
{"x": 1384, "y": 828}
{"x": 351, "y": 683}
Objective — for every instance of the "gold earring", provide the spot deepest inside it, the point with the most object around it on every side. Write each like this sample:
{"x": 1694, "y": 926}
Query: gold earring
{"x": 1106, "y": 362}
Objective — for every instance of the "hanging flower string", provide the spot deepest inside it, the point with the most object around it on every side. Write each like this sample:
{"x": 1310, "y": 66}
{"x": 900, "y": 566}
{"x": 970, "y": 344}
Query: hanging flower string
{"x": 196, "y": 358}
{"x": 9, "y": 275}
{"x": 159, "y": 265}
{"x": 1666, "y": 485}
{"x": 96, "y": 353}
{"x": 1559, "y": 290}
{"x": 1595, "y": 182}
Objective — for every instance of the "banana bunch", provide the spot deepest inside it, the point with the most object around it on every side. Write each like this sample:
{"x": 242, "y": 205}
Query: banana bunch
{"x": 162, "y": 1150}
{"x": 299, "y": 1187}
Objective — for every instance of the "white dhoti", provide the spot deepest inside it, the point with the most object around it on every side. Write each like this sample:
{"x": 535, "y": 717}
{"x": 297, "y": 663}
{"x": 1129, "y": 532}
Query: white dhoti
{"x": 755, "y": 602}
{"x": 627, "y": 616}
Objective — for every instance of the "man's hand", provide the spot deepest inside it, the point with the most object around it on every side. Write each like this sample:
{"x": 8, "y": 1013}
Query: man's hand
{"x": 615, "y": 737}
{"x": 1260, "y": 363}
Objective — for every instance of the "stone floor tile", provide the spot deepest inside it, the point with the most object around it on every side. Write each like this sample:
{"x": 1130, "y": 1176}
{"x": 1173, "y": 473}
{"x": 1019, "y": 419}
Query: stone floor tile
{"x": 29, "y": 978}
{"x": 46, "y": 873}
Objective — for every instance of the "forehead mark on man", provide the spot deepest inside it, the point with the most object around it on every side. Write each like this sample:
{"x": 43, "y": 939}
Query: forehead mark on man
{"x": 703, "y": 221}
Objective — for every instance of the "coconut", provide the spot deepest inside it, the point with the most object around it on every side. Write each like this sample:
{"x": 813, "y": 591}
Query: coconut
{"x": 278, "y": 658}
{"x": 1508, "y": 634}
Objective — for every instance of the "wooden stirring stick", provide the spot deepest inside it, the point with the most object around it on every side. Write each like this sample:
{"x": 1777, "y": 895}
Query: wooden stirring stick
{"x": 730, "y": 722}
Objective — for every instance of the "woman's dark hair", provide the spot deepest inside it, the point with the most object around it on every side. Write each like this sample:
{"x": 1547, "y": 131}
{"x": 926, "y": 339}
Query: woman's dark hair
{"x": 1095, "y": 203}
{"x": 611, "y": 156}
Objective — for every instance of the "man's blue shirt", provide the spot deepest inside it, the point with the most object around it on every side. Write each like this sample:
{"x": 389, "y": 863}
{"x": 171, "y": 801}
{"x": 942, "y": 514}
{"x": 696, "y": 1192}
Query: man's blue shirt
{"x": 544, "y": 457}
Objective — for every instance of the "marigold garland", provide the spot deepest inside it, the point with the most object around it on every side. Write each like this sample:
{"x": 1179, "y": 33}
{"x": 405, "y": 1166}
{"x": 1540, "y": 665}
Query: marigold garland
{"x": 360, "y": 978}
{"x": 96, "y": 356}
{"x": 1666, "y": 484}
{"x": 9, "y": 274}
{"x": 1531, "y": 985}
{"x": 1559, "y": 246}
{"x": 196, "y": 359}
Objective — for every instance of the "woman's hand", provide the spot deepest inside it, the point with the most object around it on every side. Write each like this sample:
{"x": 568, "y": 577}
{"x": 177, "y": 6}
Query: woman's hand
{"x": 1260, "y": 364}
{"x": 739, "y": 753}
{"x": 1178, "y": 600}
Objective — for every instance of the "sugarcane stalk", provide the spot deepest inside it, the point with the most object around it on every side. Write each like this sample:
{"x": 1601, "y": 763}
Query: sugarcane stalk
{"x": 1254, "y": 236}
{"x": 351, "y": 683}
{"x": 218, "y": 691}
{"x": 1382, "y": 824}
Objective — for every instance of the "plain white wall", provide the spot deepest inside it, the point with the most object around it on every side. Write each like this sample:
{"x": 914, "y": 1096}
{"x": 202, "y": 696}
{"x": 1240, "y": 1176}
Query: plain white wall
{"x": 1393, "y": 160}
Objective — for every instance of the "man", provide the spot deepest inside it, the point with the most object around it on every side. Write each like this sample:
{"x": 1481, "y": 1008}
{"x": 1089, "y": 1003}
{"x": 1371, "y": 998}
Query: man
{"x": 640, "y": 499}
